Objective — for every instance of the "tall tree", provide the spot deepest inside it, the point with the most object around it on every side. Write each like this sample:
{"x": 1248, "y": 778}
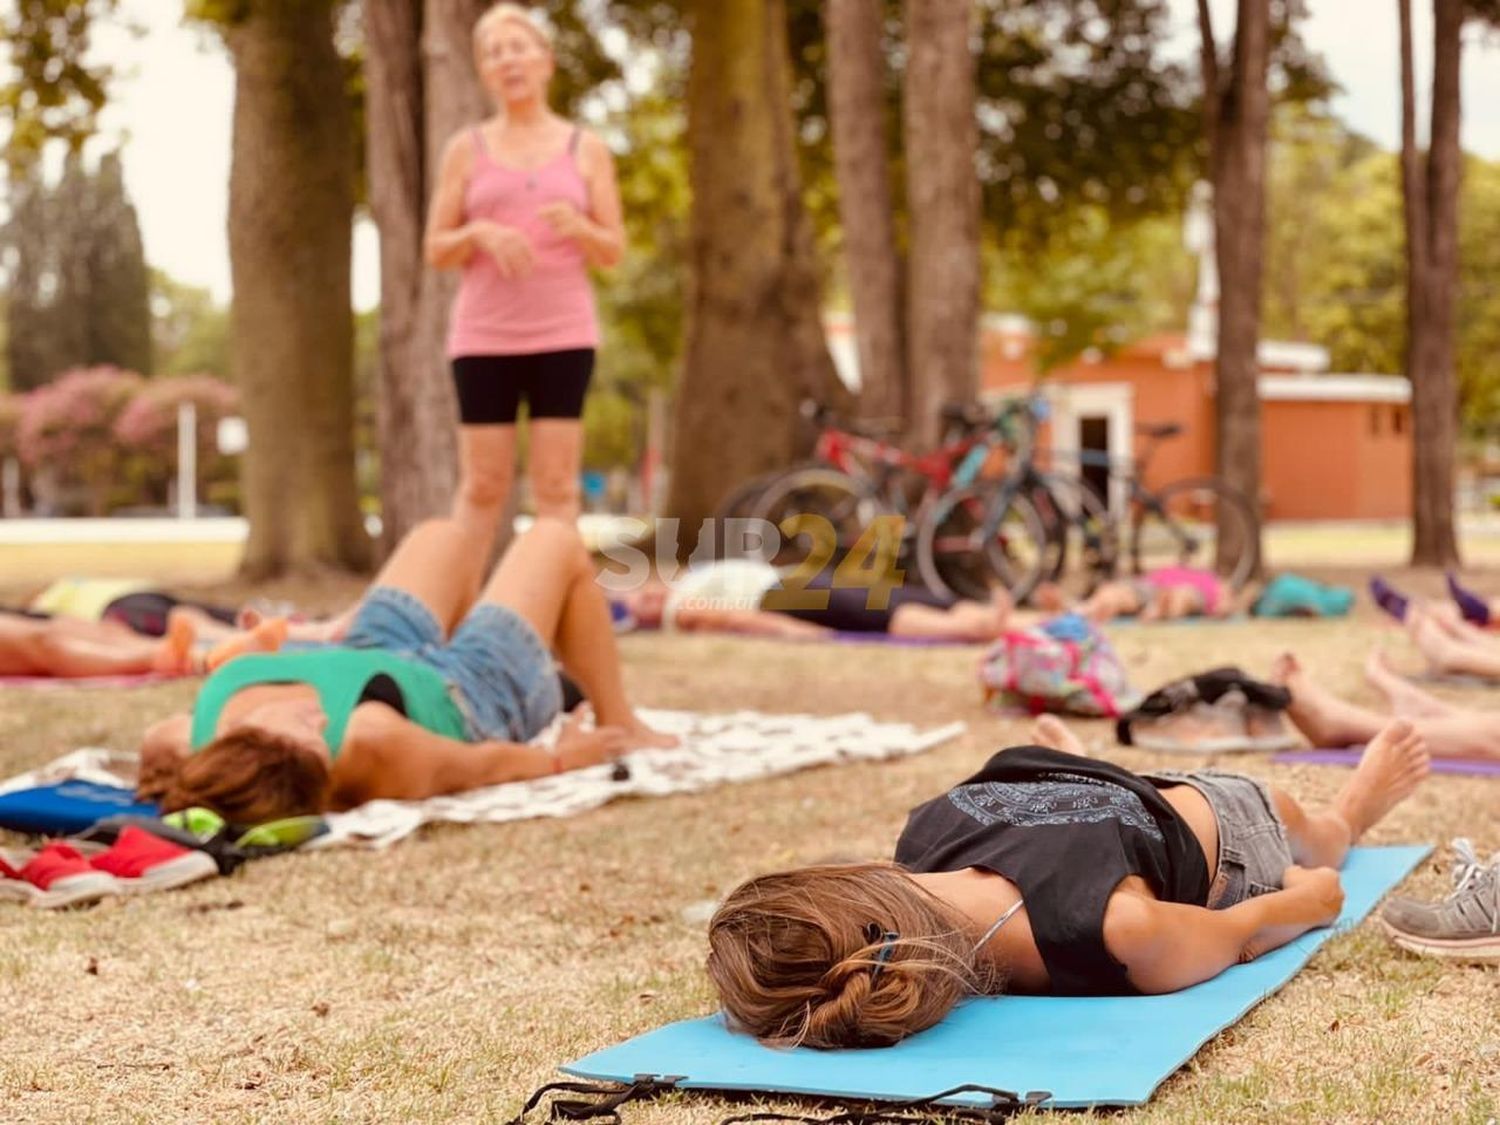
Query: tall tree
{"x": 291, "y": 200}
{"x": 30, "y": 355}
{"x": 1430, "y": 197}
{"x": 861, "y": 149}
{"x": 54, "y": 90}
{"x": 119, "y": 286}
{"x": 942, "y": 190}
{"x": 1236, "y": 107}
{"x": 755, "y": 343}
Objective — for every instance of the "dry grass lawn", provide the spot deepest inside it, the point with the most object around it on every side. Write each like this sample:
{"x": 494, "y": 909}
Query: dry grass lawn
{"x": 445, "y": 979}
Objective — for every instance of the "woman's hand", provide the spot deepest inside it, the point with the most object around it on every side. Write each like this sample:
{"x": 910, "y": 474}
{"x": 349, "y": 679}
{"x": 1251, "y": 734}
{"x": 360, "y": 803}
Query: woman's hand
{"x": 507, "y": 246}
{"x": 577, "y": 748}
{"x": 1320, "y": 891}
{"x": 565, "y": 220}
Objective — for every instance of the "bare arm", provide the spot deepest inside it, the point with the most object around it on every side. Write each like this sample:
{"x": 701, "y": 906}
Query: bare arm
{"x": 600, "y": 233}
{"x": 1166, "y": 946}
{"x": 386, "y": 755}
{"x": 449, "y": 242}
{"x": 752, "y": 622}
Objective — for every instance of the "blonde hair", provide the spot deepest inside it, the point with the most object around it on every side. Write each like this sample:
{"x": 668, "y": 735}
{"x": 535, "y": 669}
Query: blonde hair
{"x": 803, "y": 958}
{"x": 508, "y": 12}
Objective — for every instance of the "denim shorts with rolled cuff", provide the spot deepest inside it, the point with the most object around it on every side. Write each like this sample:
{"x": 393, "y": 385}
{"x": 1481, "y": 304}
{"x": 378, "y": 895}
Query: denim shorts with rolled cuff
{"x": 1253, "y": 849}
{"x": 498, "y": 669}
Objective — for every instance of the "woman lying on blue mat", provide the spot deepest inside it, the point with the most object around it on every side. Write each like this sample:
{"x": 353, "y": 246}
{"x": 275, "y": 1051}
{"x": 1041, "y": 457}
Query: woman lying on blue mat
{"x": 1045, "y": 872}
{"x": 431, "y": 690}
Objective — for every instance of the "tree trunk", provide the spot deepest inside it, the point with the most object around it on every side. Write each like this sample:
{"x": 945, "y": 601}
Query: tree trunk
{"x": 856, "y": 96}
{"x": 422, "y": 88}
{"x": 1431, "y": 208}
{"x": 755, "y": 346}
{"x": 1239, "y": 114}
{"x": 291, "y": 201}
{"x": 942, "y": 190}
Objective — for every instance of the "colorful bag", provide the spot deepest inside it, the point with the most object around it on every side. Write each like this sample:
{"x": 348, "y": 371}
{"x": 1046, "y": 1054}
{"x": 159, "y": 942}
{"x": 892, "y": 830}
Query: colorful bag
{"x": 1064, "y": 665}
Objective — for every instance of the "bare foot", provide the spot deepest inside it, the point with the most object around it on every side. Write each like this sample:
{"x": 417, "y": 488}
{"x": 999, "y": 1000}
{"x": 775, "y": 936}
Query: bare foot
{"x": 1431, "y": 640}
{"x": 1393, "y": 765}
{"x": 268, "y": 636}
{"x": 1406, "y": 699}
{"x": 1322, "y": 717}
{"x": 174, "y": 656}
{"x": 638, "y": 736}
{"x": 1053, "y": 733}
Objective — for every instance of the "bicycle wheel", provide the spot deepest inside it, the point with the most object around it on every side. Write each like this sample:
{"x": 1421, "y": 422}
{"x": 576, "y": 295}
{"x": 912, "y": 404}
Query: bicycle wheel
{"x": 955, "y": 557}
{"x": 740, "y": 502}
{"x": 845, "y": 503}
{"x": 1085, "y": 542}
{"x": 1199, "y": 523}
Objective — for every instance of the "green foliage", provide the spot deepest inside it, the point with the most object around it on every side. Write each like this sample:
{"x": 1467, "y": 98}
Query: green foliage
{"x": 190, "y": 331}
{"x": 53, "y": 90}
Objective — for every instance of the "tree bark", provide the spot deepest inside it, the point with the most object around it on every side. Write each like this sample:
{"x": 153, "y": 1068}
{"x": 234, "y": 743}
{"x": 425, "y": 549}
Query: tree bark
{"x": 1431, "y": 210}
{"x": 942, "y": 190}
{"x": 755, "y": 346}
{"x": 1238, "y": 121}
{"x": 422, "y": 88}
{"x": 291, "y": 202}
{"x": 856, "y": 96}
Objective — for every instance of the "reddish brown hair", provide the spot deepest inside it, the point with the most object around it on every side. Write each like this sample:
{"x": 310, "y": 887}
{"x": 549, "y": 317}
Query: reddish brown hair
{"x": 248, "y": 776}
{"x": 792, "y": 957}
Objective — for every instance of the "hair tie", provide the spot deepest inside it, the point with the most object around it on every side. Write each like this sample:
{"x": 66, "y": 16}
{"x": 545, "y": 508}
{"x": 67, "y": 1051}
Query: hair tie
{"x": 888, "y": 940}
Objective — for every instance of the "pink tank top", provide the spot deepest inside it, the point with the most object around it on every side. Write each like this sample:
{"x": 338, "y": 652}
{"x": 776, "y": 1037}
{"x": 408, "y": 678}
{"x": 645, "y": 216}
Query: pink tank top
{"x": 551, "y": 309}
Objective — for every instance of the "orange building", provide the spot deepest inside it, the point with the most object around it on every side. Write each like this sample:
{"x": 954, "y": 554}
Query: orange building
{"x": 1332, "y": 446}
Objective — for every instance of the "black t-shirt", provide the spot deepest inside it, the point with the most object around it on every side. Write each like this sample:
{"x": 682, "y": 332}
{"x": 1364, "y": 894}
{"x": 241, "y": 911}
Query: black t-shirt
{"x": 1065, "y": 830}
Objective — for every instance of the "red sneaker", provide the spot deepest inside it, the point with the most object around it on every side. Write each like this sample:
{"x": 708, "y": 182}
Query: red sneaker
{"x": 62, "y": 877}
{"x": 12, "y": 886}
{"x": 143, "y": 862}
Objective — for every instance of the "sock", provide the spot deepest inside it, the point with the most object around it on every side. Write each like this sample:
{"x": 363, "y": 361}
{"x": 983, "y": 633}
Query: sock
{"x": 1388, "y": 599}
{"x": 1474, "y": 608}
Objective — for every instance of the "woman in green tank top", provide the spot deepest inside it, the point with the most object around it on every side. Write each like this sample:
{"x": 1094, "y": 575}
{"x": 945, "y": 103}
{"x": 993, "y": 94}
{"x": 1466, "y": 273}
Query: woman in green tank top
{"x": 430, "y": 692}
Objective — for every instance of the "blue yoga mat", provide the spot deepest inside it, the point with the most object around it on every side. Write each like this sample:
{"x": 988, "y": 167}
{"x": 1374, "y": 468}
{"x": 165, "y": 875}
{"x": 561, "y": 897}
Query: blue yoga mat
{"x": 1086, "y": 1051}
{"x": 67, "y": 807}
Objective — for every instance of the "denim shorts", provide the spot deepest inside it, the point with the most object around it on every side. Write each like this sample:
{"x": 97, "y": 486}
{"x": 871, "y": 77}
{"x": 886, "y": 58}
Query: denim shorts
{"x": 498, "y": 670}
{"x": 1253, "y": 849}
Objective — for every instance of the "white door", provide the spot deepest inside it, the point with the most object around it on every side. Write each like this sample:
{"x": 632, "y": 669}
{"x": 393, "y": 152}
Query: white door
{"x": 1091, "y": 422}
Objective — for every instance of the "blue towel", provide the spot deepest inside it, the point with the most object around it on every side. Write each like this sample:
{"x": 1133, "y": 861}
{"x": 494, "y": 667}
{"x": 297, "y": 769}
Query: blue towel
{"x": 1112, "y": 1050}
{"x": 67, "y": 807}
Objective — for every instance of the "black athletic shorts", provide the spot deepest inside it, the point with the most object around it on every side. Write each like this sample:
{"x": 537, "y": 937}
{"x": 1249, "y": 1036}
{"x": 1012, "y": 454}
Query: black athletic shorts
{"x": 491, "y": 387}
{"x": 848, "y": 609}
{"x": 146, "y": 612}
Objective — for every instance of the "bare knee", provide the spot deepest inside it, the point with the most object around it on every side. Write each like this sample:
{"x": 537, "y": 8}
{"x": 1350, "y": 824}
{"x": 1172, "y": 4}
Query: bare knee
{"x": 556, "y": 495}
{"x": 485, "y": 488}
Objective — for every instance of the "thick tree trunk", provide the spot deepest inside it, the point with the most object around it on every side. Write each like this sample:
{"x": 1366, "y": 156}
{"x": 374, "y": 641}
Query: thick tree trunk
{"x": 1432, "y": 281}
{"x": 942, "y": 191}
{"x": 755, "y": 346}
{"x": 291, "y": 202}
{"x": 422, "y": 88}
{"x": 856, "y": 96}
{"x": 1239, "y": 109}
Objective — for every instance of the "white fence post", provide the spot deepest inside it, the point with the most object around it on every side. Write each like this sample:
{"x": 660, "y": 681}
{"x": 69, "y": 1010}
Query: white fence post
{"x": 187, "y": 461}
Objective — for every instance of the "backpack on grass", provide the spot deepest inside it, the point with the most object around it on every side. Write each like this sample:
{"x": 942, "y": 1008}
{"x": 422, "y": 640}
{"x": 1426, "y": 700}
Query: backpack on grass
{"x": 1064, "y": 665}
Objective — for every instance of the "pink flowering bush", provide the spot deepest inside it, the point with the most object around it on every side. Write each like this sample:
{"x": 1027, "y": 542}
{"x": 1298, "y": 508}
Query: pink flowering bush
{"x": 148, "y": 427}
{"x": 67, "y": 429}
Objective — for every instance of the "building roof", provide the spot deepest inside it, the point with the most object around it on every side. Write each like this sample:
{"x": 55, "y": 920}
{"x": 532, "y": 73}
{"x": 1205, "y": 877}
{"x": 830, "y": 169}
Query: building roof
{"x": 1335, "y": 388}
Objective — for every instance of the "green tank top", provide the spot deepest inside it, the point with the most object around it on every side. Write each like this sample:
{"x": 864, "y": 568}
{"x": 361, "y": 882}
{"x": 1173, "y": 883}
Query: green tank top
{"x": 341, "y": 677}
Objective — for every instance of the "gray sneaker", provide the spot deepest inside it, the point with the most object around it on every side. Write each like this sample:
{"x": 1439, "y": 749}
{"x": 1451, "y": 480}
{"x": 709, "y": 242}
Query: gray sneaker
{"x": 1465, "y": 925}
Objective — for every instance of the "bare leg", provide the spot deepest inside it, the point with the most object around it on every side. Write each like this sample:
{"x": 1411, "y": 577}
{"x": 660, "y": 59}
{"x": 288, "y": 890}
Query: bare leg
{"x": 438, "y": 563}
{"x": 1393, "y": 765}
{"x": 548, "y": 578}
{"x": 556, "y": 454}
{"x": 71, "y": 649}
{"x": 486, "y": 456}
{"x": 1111, "y": 600}
{"x": 1053, "y": 733}
{"x": 1406, "y": 699}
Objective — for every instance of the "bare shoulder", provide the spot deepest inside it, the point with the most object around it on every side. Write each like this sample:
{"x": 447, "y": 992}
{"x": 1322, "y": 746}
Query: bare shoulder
{"x": 458, "y": 152}
{"x": 593, "y": 152}
{"x": 371, "y": 726}
{"x": 1130, "y": 922}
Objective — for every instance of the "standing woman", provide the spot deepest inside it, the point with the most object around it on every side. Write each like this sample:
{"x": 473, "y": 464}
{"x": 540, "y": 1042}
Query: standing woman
{"x": 526, "y": 203}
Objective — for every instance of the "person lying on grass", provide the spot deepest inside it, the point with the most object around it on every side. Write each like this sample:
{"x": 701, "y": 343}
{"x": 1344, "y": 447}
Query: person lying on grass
{"x": 1449, "y": 731}
{"x": 430, "y": 691}
{"x": 1169, "y": 593}
{"x": 1045, "y": 872}
{"x": 65, "y": 648}
{"x": 746, "y": 596}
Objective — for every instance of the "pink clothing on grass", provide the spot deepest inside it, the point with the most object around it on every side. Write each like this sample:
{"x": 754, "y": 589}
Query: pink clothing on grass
{"x": 550, "y": 309}
{"x": 1206, "y": 582}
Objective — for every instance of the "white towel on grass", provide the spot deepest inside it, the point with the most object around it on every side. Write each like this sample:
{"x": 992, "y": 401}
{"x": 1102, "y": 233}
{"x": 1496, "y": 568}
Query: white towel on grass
{"x": 714, "y": 750}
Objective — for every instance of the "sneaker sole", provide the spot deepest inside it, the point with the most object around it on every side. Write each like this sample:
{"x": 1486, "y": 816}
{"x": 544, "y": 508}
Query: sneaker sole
{"x": 1485, "y": 948}
{"x": 75, "y": 890}
{"x": 174, "y": 873}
